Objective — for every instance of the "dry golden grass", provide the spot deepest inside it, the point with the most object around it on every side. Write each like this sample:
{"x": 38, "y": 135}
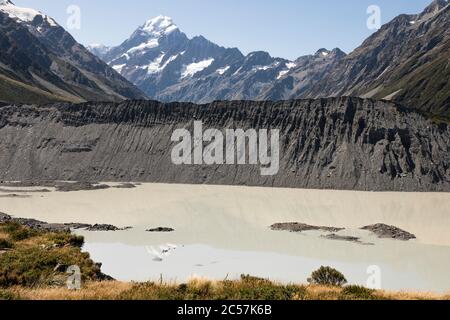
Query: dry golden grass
{"x": 108, "y": 290}
{"x": 402, "y": 295}
{"x": 202, "y": 290}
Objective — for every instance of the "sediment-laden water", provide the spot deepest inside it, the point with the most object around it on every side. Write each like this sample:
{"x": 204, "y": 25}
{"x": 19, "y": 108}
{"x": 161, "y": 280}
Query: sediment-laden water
{"x": 222, "y": 232}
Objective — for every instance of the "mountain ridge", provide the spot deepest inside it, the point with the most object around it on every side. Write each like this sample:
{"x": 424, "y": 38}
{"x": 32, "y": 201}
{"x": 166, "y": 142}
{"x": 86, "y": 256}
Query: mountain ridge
{"x": 404, "y": 61}
{"x": 41, "y": 62}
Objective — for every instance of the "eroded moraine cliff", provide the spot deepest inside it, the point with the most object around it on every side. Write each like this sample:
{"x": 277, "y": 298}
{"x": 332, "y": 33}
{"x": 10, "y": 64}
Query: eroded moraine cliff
{"x": 334, "y": 143}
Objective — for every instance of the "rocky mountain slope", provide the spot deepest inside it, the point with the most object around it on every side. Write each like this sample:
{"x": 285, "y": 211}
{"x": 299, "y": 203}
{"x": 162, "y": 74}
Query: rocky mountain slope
{"x": 406, "y": 61}
{"x": 340, "y": 143}
{"x": 41, "y": 62}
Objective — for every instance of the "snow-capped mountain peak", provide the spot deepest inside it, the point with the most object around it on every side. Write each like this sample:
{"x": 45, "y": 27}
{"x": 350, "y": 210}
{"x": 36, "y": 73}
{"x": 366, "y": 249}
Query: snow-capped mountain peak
{"x": 323, "y": 52}
{"x": 159, "y": 26}
{"x": 98, "y": 49}
{"x": 25, "y": 15}
{"x": 5, "y": 2}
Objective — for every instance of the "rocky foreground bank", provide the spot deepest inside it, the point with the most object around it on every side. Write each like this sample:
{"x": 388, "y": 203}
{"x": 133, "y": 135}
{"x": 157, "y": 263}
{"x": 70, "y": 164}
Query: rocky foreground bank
{"x": 336, "y": 143}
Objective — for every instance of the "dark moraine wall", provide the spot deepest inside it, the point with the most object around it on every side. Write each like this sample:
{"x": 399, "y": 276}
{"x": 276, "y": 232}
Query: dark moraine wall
{"x": 335, "y": 143}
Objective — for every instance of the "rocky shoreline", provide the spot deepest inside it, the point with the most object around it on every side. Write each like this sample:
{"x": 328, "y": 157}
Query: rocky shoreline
{"x": 59, "y": 186}
{"x": 58, "y": 227}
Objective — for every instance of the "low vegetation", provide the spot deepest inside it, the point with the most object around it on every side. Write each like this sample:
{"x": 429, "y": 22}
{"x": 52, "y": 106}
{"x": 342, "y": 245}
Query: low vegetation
{"x": 327, "y": 276}
{"x": 33, "y": 264}
{"x": 200, "y": 289}
{"x": 32, "y": 258}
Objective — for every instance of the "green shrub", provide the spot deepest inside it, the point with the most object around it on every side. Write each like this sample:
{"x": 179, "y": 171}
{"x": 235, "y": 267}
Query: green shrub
{"x": 255, "y": 289}
{"x": 18, "y": 232}
{"x": 10, "y": 227}
{"x": 64, "y": 239}
{"x": 22, "y": 234}
{"x": 327, "y": 276}
{"x": 251, "y": 279}
{"x": 32, "y": 266}
{"x": 357, "y": 293}
{"x": 5, "y": 244}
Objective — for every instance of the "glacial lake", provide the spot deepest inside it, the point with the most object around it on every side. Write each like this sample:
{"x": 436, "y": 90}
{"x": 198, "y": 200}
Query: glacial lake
{"x": 222, "y": 232}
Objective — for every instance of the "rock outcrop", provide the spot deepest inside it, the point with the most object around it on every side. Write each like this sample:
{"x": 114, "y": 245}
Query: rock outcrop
{"x": 58, "y": 227}
{"x": 384, "y": 231}
{"x": 301, "y": 227}
{"x": 161, "y": 229}
{"x": 334, "y": 143}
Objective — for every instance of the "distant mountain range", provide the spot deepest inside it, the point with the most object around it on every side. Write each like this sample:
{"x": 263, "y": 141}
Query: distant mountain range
{"x": 407, "y": 61}
{"x": 40, "y": 62}
{"x": 168, "y": 66}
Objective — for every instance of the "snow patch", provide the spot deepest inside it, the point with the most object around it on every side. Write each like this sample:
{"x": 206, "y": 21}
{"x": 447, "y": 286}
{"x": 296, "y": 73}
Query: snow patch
{"x": 290, "y": 65}
{"x": 193, "y": 68}
{"x": 282, "y": 73}
{"x": 221, "y": 71}
{"x": 153, "y": 67}
{"x": 152, "y": 43}
{"x": 156, "y": 65}
{"x": 126, "y": 56}
{"x": 98, "y": 48}
{"x": 172, "y": 58}
{"x": 384, "y": 71}
{"x": 119, "y": 67}
{"x": 159, "y": 26}
{"x": 237, "y": 71}
{"x": 24, "y": 14}
{"x": 392, "y": 95}
{"x": 264, "y": 68}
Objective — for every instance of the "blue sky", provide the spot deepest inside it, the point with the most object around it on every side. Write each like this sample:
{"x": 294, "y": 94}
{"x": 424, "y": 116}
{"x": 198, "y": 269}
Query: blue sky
{"x": 284, "y": 28}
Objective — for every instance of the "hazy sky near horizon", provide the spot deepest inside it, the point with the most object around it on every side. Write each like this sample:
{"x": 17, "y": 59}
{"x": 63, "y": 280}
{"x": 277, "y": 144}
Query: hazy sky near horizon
{"x": 284, "y": 28}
